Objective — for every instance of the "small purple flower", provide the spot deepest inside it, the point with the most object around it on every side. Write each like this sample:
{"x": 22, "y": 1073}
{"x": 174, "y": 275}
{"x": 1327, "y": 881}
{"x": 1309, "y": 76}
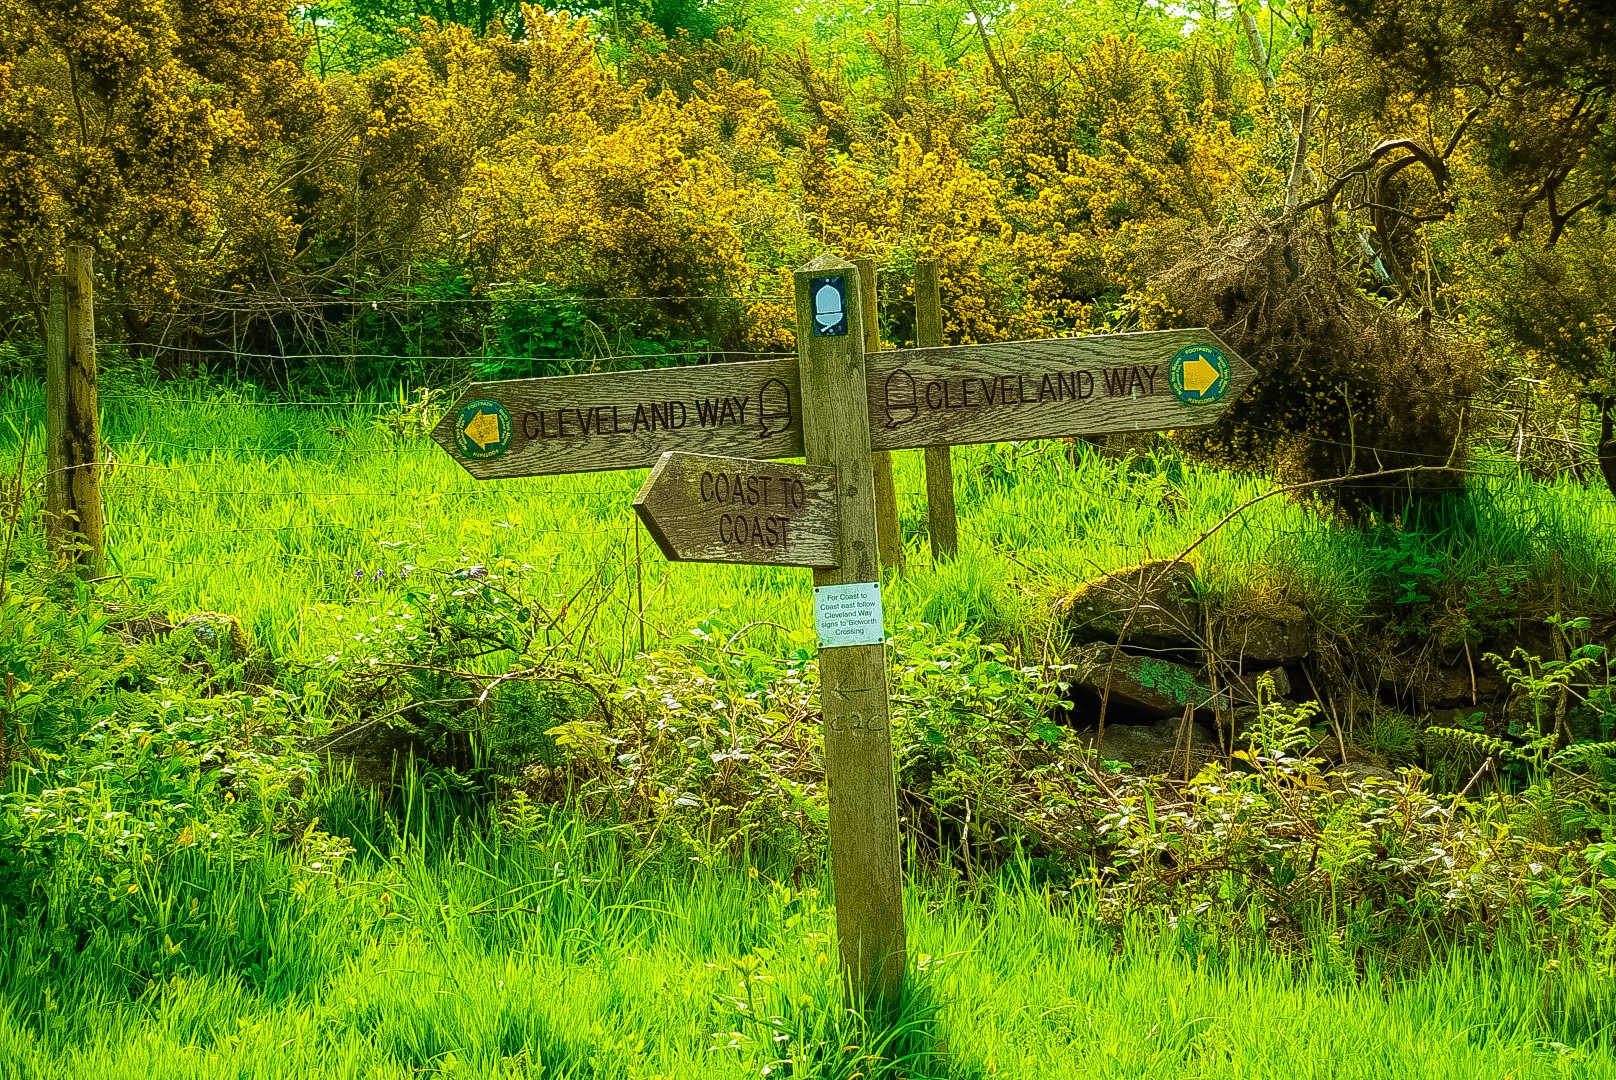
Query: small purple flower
{"x": 404, "y": 572}
{"x": 380, "y": 573}
{"x": 359, "y": 575}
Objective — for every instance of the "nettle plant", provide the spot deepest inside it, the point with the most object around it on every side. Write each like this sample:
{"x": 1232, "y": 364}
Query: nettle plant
{"x": 1284, "y": 850}
{"x": 717, "y": 745}
{"x": 712, "y": 745}
{"x": 130, "y": 758}
{"x": 974, "y": 737}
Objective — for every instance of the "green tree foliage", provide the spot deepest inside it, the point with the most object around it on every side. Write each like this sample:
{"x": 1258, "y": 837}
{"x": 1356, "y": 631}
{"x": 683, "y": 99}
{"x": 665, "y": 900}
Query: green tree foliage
{"x": 634, "y": 178}
{"x": 1490, "y": 191}
{"x": 120, "y": 123}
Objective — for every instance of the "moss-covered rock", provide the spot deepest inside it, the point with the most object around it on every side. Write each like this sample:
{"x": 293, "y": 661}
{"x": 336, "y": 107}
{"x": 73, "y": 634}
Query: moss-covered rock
{"x": 219, "y": 634}
{"x": 1143, "y": 684}
{"x": 1151, "y": 606}
{"x": 1281, "y": 635}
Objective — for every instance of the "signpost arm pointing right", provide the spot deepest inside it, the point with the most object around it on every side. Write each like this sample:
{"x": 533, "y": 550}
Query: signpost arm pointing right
{"x": 865, "y": 862}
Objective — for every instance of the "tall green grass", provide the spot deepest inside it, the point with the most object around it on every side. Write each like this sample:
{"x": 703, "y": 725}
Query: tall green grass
{"x": 218, "y": 501}
{"x": 454, "y": 948}
{"x": 546, "y": 946}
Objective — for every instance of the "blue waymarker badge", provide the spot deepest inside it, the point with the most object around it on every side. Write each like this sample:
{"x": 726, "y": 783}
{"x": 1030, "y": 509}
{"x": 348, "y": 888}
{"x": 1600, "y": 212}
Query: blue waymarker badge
{"x": 829, "y": 296}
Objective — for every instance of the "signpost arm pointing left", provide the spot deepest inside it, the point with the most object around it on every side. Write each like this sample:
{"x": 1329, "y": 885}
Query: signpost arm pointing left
{"x": 865, "y": 864}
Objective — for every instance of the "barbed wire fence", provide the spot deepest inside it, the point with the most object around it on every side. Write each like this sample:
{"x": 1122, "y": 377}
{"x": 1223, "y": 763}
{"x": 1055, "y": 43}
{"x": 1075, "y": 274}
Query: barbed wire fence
{"x": 156, "y": 466}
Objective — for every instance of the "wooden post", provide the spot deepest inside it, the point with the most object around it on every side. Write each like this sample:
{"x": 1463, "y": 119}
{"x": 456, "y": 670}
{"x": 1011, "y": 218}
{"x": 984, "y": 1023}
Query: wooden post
{"x": 865, "y": 860}
{"x": 73, "y": 416}
{"x": 943, "y": 520}
{"x": 886, "y": 491}
{"x": 57, "y": 525}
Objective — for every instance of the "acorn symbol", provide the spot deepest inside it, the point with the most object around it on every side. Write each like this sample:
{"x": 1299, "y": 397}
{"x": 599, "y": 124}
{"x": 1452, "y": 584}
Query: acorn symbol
{"x": 774, "y": 407}
{"x": 902, "y": 399}
{"x": 828, "y": 307}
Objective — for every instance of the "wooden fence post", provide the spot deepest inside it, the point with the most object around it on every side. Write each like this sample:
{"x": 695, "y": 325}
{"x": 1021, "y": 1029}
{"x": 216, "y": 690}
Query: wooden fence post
{"x": 886, "y": 491}
{"x": 865, "y": 855}
{"x": 943, "y": 520}
{"x": 73, "y": 416}
{"x": 57, "y": 526}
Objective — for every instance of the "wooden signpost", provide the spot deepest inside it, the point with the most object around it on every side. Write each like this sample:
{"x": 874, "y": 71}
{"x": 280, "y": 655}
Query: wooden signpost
{"x": 1014, "y": 390}
{"x": 624, "y": 419}
{"x": 715, "y": 495}
{"x": 1000, "y": 392}
{"x": 866, "y": 867}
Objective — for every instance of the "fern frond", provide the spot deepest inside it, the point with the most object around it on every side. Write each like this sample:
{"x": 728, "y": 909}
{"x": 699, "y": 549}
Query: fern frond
{"x": 1585, "y": 754}
{"x": 1476, "y": 742}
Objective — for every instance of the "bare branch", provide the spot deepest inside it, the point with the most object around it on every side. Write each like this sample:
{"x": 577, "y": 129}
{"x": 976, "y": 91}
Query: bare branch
{"x": 993, "y": 60}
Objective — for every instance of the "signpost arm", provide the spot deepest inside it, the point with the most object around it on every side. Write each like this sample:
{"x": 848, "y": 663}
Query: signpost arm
{"x": 865, "y": 856}
{"x": 886, "y": 491}
{"x": 943, "y": 521}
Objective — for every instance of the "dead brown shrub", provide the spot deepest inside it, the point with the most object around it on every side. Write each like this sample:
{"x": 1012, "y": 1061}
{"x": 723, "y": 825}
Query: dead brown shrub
{"x": 1347, "y": 384}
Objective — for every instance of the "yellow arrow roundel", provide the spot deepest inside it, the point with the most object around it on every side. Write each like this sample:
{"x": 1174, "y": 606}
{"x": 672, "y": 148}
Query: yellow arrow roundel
{"x": 1199, "y": 374}
{"x": 482, "y": 430}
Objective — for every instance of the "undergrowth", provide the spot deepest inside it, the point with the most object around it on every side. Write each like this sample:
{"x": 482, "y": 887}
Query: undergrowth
{"x": 128, "y": 758}
{"x": 577, "y": 784}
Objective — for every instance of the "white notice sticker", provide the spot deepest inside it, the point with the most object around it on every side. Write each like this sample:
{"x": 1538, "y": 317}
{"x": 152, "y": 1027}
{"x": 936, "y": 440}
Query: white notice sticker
{"x": 848, "y": 614}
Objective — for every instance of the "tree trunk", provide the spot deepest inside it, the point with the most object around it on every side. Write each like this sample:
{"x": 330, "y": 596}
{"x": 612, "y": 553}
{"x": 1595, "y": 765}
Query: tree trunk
{"x": 993, "y": 61}
{"x": 1299, "y": 169}
{"x": 1606, "y": 448}
{"x": 1259, "y": 60}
